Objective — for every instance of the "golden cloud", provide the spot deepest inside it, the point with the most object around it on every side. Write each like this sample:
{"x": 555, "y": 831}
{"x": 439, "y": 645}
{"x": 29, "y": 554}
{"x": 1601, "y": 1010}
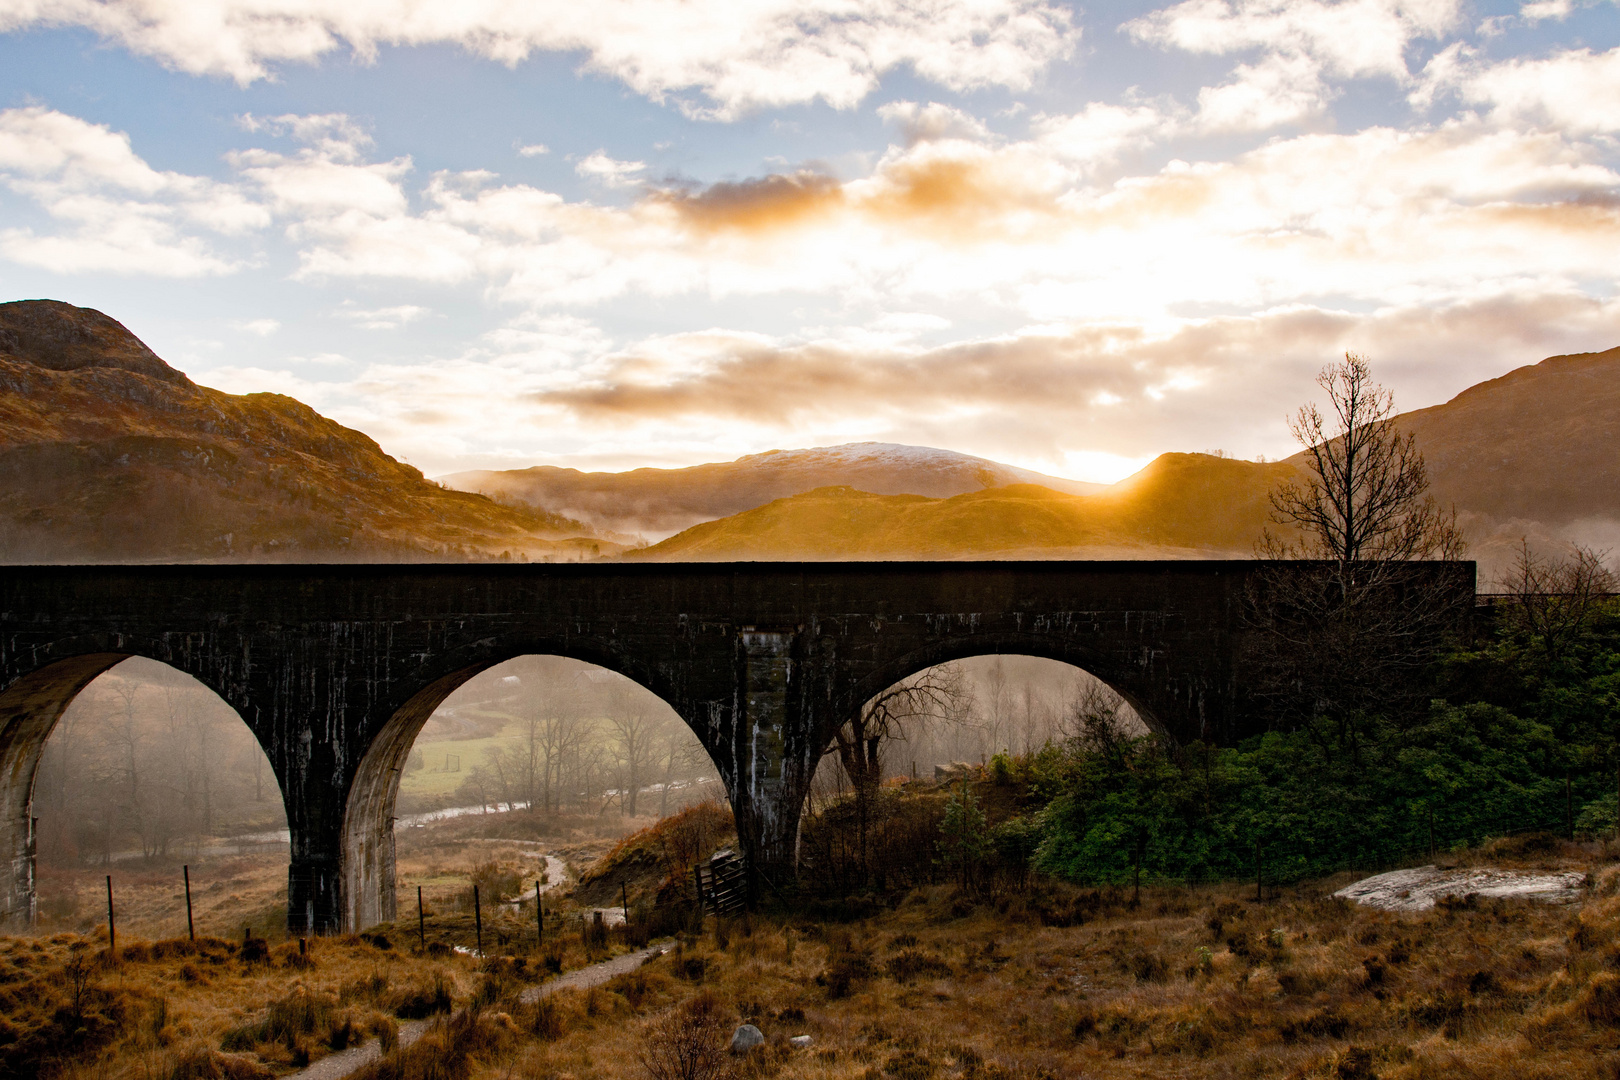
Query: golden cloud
{"x": 776, "y": 201}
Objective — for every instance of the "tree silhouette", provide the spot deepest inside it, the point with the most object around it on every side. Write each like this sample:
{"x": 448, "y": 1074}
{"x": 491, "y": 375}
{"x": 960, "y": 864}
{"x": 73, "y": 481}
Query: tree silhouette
{"x": 1347, "y": 621}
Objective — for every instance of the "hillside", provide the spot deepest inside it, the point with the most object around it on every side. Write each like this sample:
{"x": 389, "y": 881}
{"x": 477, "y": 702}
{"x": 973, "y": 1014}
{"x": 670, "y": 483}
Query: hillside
{"x": 1180, "y": 506}
{"x": 108, "y": 453}
{"x": 1527, "y": 455}
{"x": 658, "y": 502}
{"x": 1530, "y": 454}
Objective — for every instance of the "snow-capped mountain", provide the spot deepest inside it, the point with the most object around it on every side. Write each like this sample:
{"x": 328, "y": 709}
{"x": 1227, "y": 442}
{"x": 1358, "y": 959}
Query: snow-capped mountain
{"x": 656, "y": 503}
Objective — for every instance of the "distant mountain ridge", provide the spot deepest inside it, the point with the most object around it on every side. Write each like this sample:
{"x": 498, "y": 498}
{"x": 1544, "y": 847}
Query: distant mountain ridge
{"x": 658, "y": 502}
{"x": 1529, "y": 455}
{"x": 109, "y": 454}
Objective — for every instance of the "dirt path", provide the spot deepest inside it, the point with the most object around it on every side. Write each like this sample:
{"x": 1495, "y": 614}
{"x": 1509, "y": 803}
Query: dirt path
{"x": 342, "y": 1064}
{"x": 596, "y": 974}
{"x": 337, "y": 1066}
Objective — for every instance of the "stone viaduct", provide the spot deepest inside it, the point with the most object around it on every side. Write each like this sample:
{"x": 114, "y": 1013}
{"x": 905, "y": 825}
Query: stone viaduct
{"x": 335, "y": 668}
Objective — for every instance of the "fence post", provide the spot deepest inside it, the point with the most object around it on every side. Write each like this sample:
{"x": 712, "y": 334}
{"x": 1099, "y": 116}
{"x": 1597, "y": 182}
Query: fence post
{"x": 112, "y": 927}
{"x": 539, "y": 916}
{"x": 421, "y": 919}
{"x": 624, "y": 894}
{"x": 191, "y": 930}
{"x": 478, "y": 920}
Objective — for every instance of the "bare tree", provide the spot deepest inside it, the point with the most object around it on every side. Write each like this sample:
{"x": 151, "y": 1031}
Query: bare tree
{"x": 1096, "y": 721}
{"x": 636, "y": 731}
{"x": 1550, "y": 601}
{"x": 1365, "y": 497}
{"x": 860, "y": 743}
{"x": 679, "y": 752}
{"x": 1346, "y": 621}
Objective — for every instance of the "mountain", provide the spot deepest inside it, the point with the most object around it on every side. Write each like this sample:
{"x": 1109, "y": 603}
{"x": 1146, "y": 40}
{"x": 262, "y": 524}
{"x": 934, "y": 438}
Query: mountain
{"x": 1179, "y": 506}
{"x": 659, "y": 502}
{"x": 108, "y": 453}
{"x": 1529, "y": 455}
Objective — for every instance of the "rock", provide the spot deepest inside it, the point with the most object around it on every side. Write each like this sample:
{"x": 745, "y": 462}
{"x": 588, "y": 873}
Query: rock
{"x": 1417, "y": 889}
{"x": 747, "y": 1037}
{"x": 800, "y": 1042}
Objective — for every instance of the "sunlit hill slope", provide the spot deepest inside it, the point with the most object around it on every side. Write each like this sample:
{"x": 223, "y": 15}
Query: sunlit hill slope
{"x": 1186, "y": 505}
{"x": 108, "y": 453}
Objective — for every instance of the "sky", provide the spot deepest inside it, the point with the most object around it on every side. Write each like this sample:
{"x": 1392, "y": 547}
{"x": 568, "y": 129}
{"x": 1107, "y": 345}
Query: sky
{"x": 663, "y": 232}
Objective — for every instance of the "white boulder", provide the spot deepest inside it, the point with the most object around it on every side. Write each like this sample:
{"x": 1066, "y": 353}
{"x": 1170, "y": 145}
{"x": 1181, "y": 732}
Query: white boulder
{"x": 1417, "y": 889}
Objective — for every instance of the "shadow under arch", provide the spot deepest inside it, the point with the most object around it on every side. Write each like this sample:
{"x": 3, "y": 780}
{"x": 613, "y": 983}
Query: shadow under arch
{"x": 969, "y": 646}
{"x": 369, "y": 875}
{"x": 31, "y": 707}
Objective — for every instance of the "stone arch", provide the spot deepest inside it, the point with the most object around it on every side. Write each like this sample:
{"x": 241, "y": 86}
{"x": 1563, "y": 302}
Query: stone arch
{"x": 30, "y": 709}
{"x": 368, "y": 852}
{"x": 963, "y": 647}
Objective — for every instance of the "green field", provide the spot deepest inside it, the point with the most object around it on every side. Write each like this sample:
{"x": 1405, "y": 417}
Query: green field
{"x": 435, "y": 783}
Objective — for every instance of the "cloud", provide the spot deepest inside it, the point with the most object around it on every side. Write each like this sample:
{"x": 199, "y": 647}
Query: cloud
{"x": 1300, "y": 42}
{"x": 932, "y": 122}
{"x": 1023, "y": 226}
{"x": 1029, "y": 227}
{"x": 260, "y": 327}
{"x": 738, "y": 57}
{"x": 767, "y": 203}
{"x": 533, "y": 150}
{"x": 1043, "y": 397}
{"x": 1574, "y": 90}
{"x": 1351, "y": 37}
{"x": 1280, "y": 89}
{"x": 1098, "y": 134}
{"x": 388, "y": 318}
{"x": 609, "y": 172}
{"x": 116, "y": 213}
{"x": 1546, "y": 9}
{"x": 333, "y": 135}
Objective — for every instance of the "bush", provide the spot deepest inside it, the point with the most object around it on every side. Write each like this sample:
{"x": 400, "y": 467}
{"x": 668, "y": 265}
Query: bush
{"x": 844, "y": 972}
{"x": 547, "y": 1019}
{"x": 205, "y": 1063}
{"x": 448, "y": 1051}
{"x": 287, "y": 1021}
{"x": 1597, "y": 818}
{"x": 910, "y": 964}
{"x": 421, "y": 1001}
{"x": 687, "y": 1042}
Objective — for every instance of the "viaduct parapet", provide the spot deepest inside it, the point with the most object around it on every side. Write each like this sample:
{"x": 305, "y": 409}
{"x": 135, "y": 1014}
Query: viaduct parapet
{"x": 335, "y": 668}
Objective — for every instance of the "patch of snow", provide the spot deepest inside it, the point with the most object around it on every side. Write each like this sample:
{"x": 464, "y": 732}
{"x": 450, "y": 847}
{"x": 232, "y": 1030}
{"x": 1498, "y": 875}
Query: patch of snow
{"x": 1419, "y": 888}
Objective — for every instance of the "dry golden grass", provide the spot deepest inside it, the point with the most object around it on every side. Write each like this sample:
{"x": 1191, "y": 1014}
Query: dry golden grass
{"x": 70, "y": 1007}
{"x": 228, "y": 895}
{"x": 1046, "y": 981}
{"x": 1192, "y": 983}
